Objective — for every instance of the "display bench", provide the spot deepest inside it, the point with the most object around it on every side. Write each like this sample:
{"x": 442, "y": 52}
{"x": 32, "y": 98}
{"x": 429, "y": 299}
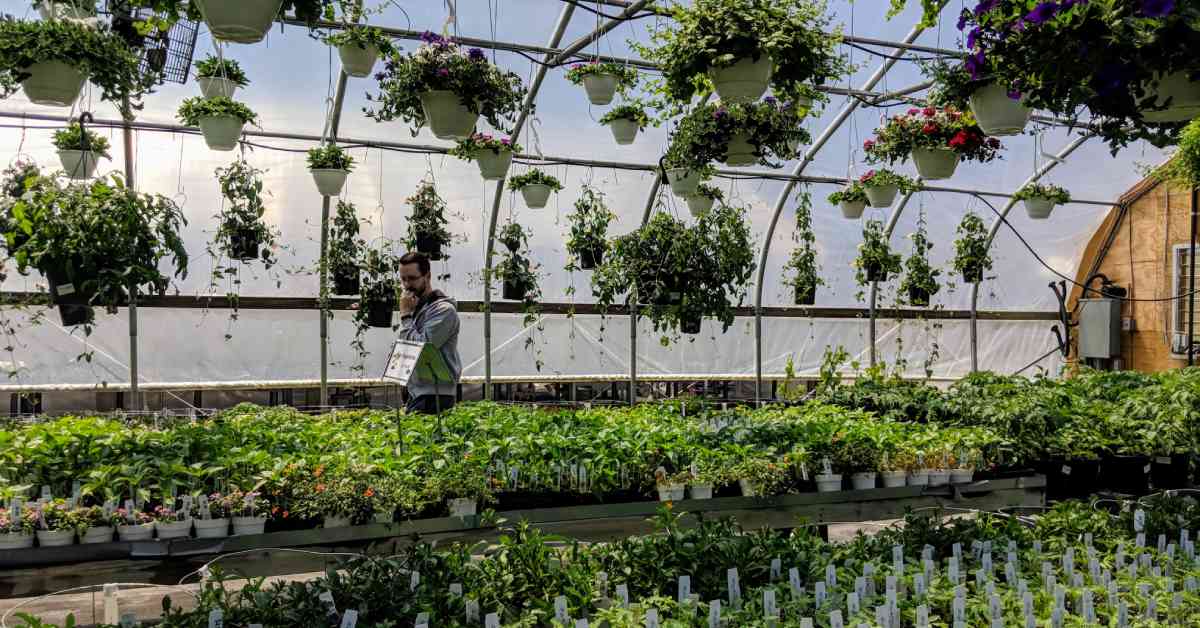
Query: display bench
{"x": 31, "y": 571}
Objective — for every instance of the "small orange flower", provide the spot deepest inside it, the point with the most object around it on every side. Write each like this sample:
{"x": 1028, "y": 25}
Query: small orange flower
{"x": 669, "y": 505}
{"x": 320, "y": 488}
{"x": 370, "y": 492}
{"x": 320, "y": 469}
{"x": 285, "y": 514}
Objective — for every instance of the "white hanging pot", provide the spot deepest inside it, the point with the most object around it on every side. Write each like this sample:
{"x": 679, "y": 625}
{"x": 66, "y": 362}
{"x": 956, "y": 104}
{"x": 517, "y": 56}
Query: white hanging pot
{"x": 996, "y": 113}
{"x": 212, "y": 528}
{"x": 493, "y": 165}
{"x": 65, "y": 10}
{"x": 699, "y": 204}
{"x": 448, "y": 118}
{"x": 53, "y": 83}
{"x": 103, "y": 534}
{"x": 600, "y": 88}
{"x": 894, "y": 479}
{"x": 332, "y": 521}
{"x": 624, "y": 130}
{"x": 939, "y": 477}
{"x": 961, "y": 476}
{"x": 240, "y": 21}
{"x": 215, "y": 87}
{"x": 671, "y": 492}
{"x": 935, "y": 163}
{"x": 744, "y": 81}
{"x": 684, "y": 182}
{"x": 143, "y": 532}
{"x": 881, "y": 195}
{"x": 330, "y": 181}
{"x": 16, "y": 540}
{"x": 249, "y": 525}
{"x": 1038, "y": 208}
{"x": 55, "y": 538}
{"x": 173, "y": 529}
{"x": 919, "y": 478}
{"x": 750, "y": 488}
{"x": 358, "y": 61}
{"x": 79, "y": 164}
{"x": 536, "y": 195}
{"x": 462, "y": 506}
{"x": 829, "y": 482}
{"x": 1184, "y": 95}
{"x": 740, "y": 152}
{"x": 221, "y": 132}
{"x": 700, "y": 491}
{"x": 852, "y": 210}
{"x": 863, "y": 481}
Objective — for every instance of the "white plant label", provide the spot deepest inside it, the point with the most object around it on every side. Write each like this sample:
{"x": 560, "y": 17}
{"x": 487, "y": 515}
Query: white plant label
{"x": 735, "y": 588}
{"x": 794, "y": 580}
{"x": 852, "y": 606}
{"x": 602, "y": 582}
{"x": 560, "y": 609}
{"x": 919, "y": 585}
{"x": 957, "y": 549}
{"x": 414, "y": 581}
{"x": 953, "y": 570}
{"x": 835, "y": 619}
{"x": 350, "y": 619}
{"x": 685, "y": 589}
{"x": 714, "y": 614}
{"x": 831, "y": 576}
{"x": 1010, "y": 573}
{"x": 1139, "y": 520}
{"x": 216, "y": 619}
{"x": 819, "y": 593}
{"x": 776, "y": 569}
{"x": 770, "y": 609}
{"x": 922, "y": 616}
{"x": 491, "y": 621}
{"x": 806, "y": 622}
{"x": 581, "y": 623}
{"x": 472, "y": 611}
{"x": 456, "y": 589}
{"x": 651, "y": 618}
{"x": 623, "y": 595}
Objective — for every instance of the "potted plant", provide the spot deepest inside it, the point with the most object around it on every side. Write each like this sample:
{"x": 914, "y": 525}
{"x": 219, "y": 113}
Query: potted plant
{"x": 243, "y": 22}
{"x": 515, "y": 268}
{"x": 248, "y": 510}
{"x": 759, "y": 476}
{"x": 463, "y": 484}
{"x": 210, "y": 516}
{"x": 56, "y": 524}
{"x": 602, "y": 80}
{"x": 379, "y": 290}
{"x": 329, "y": 165}
{"x": 136, "y": 525}
{"x": 345, "y": 250}
{"x": 17, "y": 532}
{"x": 920, "y": 281}
{"x": 535, "y": 187}
{"x": 65, "y": 9}
{"x": 1040, "y": 199}
{"x": 882, "y": 186}
{"x": 875, "y": 262}
{"x": 625, "y": 121}
{"x": 589, "y": 230}
{"x": 737, "y": 134}
{"x": 241, "y": 233}
{"x": 359, "y": 47}
{"x": 220, "y": 120}
{"x": 684, "y": 178}
{"x": 703, "y": 200}
{"x": 492, "y": 155}
{"x": 971, "y": 256}
{"x": 800, "y": 271}
{"x": 427, "y": 231}
{"x": 80, "y": 150}
{"x": 852, "y": 199}
{"x": 672, "y": 487}
{"x": 447, "y": 89}
{"x": 220, "y": 77}
{"x": 170, "y": 523}
{"x": 97, "y": 524}
{"x": 998, "y": 109}
{"x": 935, "y": 137}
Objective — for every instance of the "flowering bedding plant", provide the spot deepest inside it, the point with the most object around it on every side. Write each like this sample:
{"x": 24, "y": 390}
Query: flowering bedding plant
{"x": 23, "y": 525}
{"x": 468, "y": 148}
{"x": 133, "y": 518}
{"x": 883, "y": 176}
{"x": 931, "y": 127}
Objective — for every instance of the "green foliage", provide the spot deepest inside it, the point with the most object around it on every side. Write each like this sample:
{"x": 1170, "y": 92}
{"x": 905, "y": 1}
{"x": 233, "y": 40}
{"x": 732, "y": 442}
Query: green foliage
{"x": 589, "y": 226}
{"x": 883, "y": 176}
{"x": 329, "y": 157}
{"x": 345, "y": 245}
{"x": 703, "y": 135}
{"x": 854, "y": 192}
{"x": 919, "y": 275}
{"x": 75, "y": 137}
{"x": 626, "y": 76}
{"x": 242, "y": 186}
{"x": 970, "y": 249}
{"x": 952, "y": 84}
{"x": 363, "y": 37}
{"x": 1049, "y": 192}
{"x": 801, "y": 270}
{"x": 635, "y": 112}
{"x": 875, "y": 252}
{"x": 470, "y": 147}
{"x": 1184, "y": 166}
{"x": 194, "y": 109}
{"x": 216, "y": 67}
{"x": 534, "y": 177}
{"x": 945, "y": 128}
{"x": 517, "y": 268}
{"x": 428, "y": 218}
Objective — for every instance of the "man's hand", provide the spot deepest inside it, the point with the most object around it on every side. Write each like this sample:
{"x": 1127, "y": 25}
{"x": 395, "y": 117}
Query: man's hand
{"x": 408, "y": 304}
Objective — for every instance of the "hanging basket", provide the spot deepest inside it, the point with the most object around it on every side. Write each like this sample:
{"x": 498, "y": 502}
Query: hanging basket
{"x": 996, "y": 113}
{"x": 624, "y": 130}
{"x": 744, "y": 81}
{"x": 973, "y": 274}
{"x": 221, "y": 132}
{"x": 330, "y": 182}
{"x": 358, "y": 61}
{"x": 493, "y": 165}
{"x": 536, "y": 195}
{"x": 881, "y": 195}
{"x": 690, "y": 325}
{"x": 1038, "y": 208}
{"x": 244, "y": 245}
{"x": 805, "y": 295}
{"x": 1182, "y": 93}
{"x": 50, "y": 10}
{"x": 918, "y": 297}
{"x": 876, "y": 273}
{"x": 684, "y": 182}
{"x": 53, "y": 84}
{"x": 513, "y": 291}
{"x": 600, "y": 88}
{"x": 429, "y": 245}
{"x": 852, "y": 210}
{"x": 239, "y": 21}
{"x": 79, "y": 164}
{"x": 935, "y": 163}
{"x": 346, "y": 280}
{"x": 214, "y": 87}
{"x": 591, "y": 258}
{"x": 448, "y": 118}
{"x": 70, "y": 299}
{"x": 699, "y": 204}
{"x": 739, "y": 151}
{"x": 379, "y": 313}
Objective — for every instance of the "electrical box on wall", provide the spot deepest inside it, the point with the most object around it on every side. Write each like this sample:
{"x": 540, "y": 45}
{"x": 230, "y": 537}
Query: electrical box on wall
{"x": 1099, "y": 328}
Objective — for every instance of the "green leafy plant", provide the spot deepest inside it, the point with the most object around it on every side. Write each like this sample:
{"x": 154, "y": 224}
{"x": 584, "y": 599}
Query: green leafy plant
{"x": 380, "y": 287}
{"x": 517, "y": 270}
{"x": 710, "y": 191}
{"x": 920, "y": 279}
{"x": 626, "y": 76}
{"x": 75, "y": 137}
{"x": 470, "y": 147}
{"x": 852, "y": 193}
{"x": 217, "y": 67}
{"x": 704, "y": 135}
{"x": 427, "y": 223}
{"x": 345, "y": 245}
{"x": 242, "y": 218}
{"x": 952, "y": 84}
{"x": 1049, "y": 192}
{"x": 635, "y": 112}
{"x": 195, "y": 109}
{"x": 363, "y": 37}
{"x": 874, "y": 254}
{"x": 329, "y": 157}
{"x": 534, "y": 177}
{"x": 801, "y": 272}
{"x": 971, "y": 256}
{"x": 882, "y": 177}
{"x": 589, "y": 227}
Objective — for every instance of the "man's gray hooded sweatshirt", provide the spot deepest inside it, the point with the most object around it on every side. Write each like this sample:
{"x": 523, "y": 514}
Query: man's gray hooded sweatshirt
{"x": 434, "y": 321}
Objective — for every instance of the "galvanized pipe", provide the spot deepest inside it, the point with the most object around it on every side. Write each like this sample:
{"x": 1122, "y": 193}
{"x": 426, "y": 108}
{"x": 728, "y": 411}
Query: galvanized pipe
{"x": 335, "y": 120}
{"x": 127, "y": 136}
{"x": 887, "y": 235}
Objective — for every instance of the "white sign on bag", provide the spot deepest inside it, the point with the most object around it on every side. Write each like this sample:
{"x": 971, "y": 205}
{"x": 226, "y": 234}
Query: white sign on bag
{"x": 350, "y": 619}
{"x": 560, "y": 609}
{"x": 685, "y": 589}
{"x": 491, "y": 621}
{"x": 216, "y": 619}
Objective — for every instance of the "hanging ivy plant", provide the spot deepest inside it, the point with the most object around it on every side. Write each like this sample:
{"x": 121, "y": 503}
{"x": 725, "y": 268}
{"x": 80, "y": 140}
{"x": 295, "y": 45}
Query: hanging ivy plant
{"x": 242, "y": 235}
{"x": 801, "y": 272}
{"x": 427, "y": 230}
{"x": 705, "y": 135}
{"x": 971, "y": 256}
{"x": 876, "y": 261}
{"x": 345, "y": 250}
{"x": 518, "y": 274}
{"x": 920, "y": 279}
{"x": 378, "y": 296}
{"x": 587, "y": 241}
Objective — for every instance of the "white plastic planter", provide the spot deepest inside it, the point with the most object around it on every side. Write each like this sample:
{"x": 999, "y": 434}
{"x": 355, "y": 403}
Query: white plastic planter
{"x": 624, "y": 130}
{"x": 852, "y": 210}
{"x": 750, "y": 488}
{"x": 221, "y": 132}
{"x": 382, "y": 517}
{"x": 462, "y": 506}
{"x": 240, "y": 21}
{"x": 64, "y": 10}
{"x": 55, "y": 538}
{"x": 249, "y": 525}
{"x": 53, "y": 83}
{"x": 962, "y": 476}
{"x": 103, "y": 534}
{"x": 740, "y": 152}
{"x": 356, "y": 61}
{"x": 829, "y": 482}
{"x": 671, "y": 492}
{"x": 211, "y": 528}
{"x": 330, "y": 182}
{"x": 744, "y": 81}
{"x": 684, "y": 182}
{"x": 996, "y": 113}
{"x": 894, "y": 479}
{"x": 493, "y": 165}
{"x": 1038, "y": 208}
{"x": 336, "y": 522}
{"x": 700, "y": 491}
{"x": 935, "y": 163}
{"x": 214, "y": 87}
{"x": 699, "y": 204}
{"x": 16, "y": 540}
{"x": 939, "y": 477}
{"x": 79, "y": 164}
{"x": 173, "y": 529}
{"x": 863, "y": 481}
{"x": 448, "y": 118}
{"x": 143, "y": 532}
{"x": 1184, "y": 96}
{"x": 600, "y": 88}
{"x": 536, "y": 195}
{"x": 918, "y": 478}
{"x": 881, "y": 195}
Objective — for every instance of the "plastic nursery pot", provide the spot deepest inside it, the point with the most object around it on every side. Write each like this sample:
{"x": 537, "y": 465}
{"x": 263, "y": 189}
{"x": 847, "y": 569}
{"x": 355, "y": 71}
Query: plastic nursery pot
{"x": 16, "y": 540}
{"x": 103, "y": 534}
{"x": 53, "y": 83}
{"x": 739, "y": 151}
{"x": 624, "y": 130}
{"x": 221, "y": 132}
{"x": 805, "y": 295}
{"x": 875, "y": 272}
{"x": 1126, "y": 474}
{"x": 379, "y": 312}
{"x": 79, "y": 164}
{"x": 1038, "y": 208}
{"x": 996, "y": 112}
{"x": 429, "y": 245}
{"x": 249, "y": 525}
{"x": 143, "y": 532}
{"x": 336, "y": 522}
{"x": 358, "y": 61}
{"x": 62, "y": 290}
{"x": 690, "y": 325}
{"x": 346, "y": 280}
{"x": 881, "y": 195}
{"x": 684, "y": 182}
{"x": 329, "y": 181}
{"x": 448, "y": 118}
{"x": 744, "y": 81}
{"x": 939, "y": 477}
{"x": 863, "y": 481}
{"x": 918, "y": 297}
{"x": 918, "y": 478}
{"x": 1067, "y": 479}
{"x": 1167, "y": 472}
{"x": 383, "y": 517}
{"x": 590, "y": 258}
{"x": 55, "y": 538}
{"x": 244, "y": 245}
{"x": 493, "y": 165}
{"x": 513, "y": 291}
{"x": 600, "y": 88}
{"x": 240, "y": 21}
{"x": 672, "y": 492}
{"x": 750, "y": 488}
{"x": 213, "y": 87}
{"x": 894, "y": 479}
{"x": 829, "y": 482}
{"x": 536, "y": 195}
{"x": 852, "y": 210}
{"x": 173, "y": 529}
{"x": 211, "y": 528}
{"x": 700, "y": 491}
{"x": 973, "y": 274}
{"x": 699, "y": 204}
{"x": 461, "y": 506}
{"x": 64, "y": 10}
{"x": 1179, "y": 94}
{"x": 935, "y": 163}
{"x": 961, "y": 476}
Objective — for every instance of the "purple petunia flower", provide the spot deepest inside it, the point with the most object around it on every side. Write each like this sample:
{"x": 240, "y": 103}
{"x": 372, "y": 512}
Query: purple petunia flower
{"x": 1111, "y": 78}
{"x": 1156, "y": 8}
{"x": 719, "y": 113}
{"x": 1042, "y": 12}
{"x": 443, "y": 72}
{"x": 975, "y": 65}
{"x": 431, "y": 38}
{"x": 973, "y": 36}
{"x": 962, "y": 19}
{"x": 475, "y": 54}
{"x": 986, "y": 5}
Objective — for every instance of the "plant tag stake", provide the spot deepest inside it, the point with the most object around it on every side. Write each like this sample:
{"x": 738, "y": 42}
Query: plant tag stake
{"x": 714, "y": 614}
{"x": 835, "y": 619}
{"x": 350, "y": 619}
{"x": 928, "y": 564}
{"x": 953, "y": 571}
{"x": 830, "y": 576}
{"x": 1162, "y": 543}
{"x": 819, "y": 593}
{"x": 806, "y": 622}
{"x": 852, "y": 606}
{"x": 414, "y": 581}
{"x": 456, "y": 589}
{"x": 898, "y": 559}
{"x": 1010, "y": 573}
{"x": 881, "y": 616}
{"x": 957, "y": 549}
{"x": 602, "y": 583}
{"x": 331, "y": 612}
{"x": 1089, "y": 608}
{"x": 560, "y": 609}
{"x": 491, "y": 621}
{"x": 472, "y": 610}
{"x": 623, "y": 595}
{"x": 919, "y": 585}
{"x": 770, "y": 609}
{"x": 216, "y": 619}
{"x": 581, "y": 623}
{"x": 1139, "y": 520}
{"x": 685, "y": 589}
{"x": 735, "y": 589}
{"x": 1123, "y": 614}
{"x": 794, "y": 581}
{"x": 776, "y": 569}
{"x": 860, "y": 586}
{"x": 651, "y": 618}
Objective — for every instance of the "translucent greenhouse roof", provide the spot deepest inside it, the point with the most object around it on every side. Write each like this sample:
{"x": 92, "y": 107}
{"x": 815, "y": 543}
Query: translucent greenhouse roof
{"x": 294, "y": 77}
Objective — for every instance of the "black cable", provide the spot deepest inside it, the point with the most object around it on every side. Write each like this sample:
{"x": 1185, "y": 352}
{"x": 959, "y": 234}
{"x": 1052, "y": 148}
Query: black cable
{"x": 902, "y": 56}
{"x": 617, "y": 18}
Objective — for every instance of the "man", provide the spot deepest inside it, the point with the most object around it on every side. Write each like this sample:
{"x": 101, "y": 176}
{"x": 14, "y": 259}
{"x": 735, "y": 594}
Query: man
{"x": 428, "y": 315}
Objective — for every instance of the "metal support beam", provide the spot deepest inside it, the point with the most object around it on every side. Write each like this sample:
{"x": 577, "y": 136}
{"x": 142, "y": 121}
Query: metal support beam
{"x": 564, "y": 17}
{"x": 1062, "y": 154}
{"x": 134, "y": 397}
{"x": 594, "y": 36}
{"x": 335, "y": 120}
{"x": 887, "y": 235}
